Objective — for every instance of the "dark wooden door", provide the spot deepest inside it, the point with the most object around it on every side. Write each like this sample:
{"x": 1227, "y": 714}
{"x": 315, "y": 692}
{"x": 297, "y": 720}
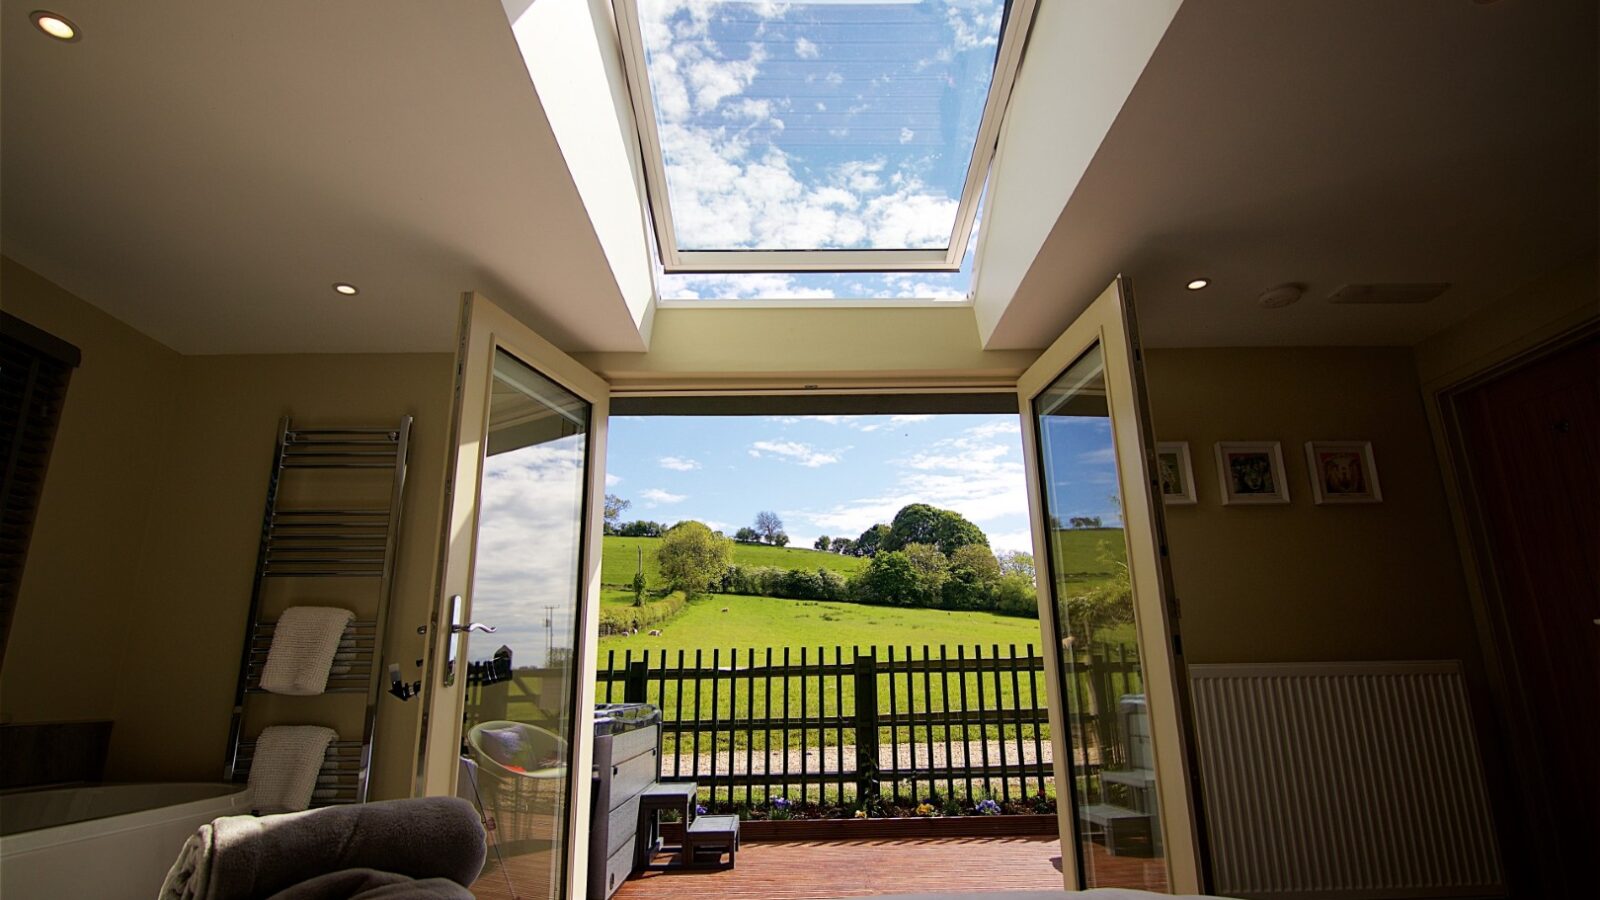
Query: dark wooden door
{"x": 1531, "y": 441}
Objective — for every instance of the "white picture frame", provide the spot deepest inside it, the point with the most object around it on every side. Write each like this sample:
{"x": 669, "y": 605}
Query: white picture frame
{"x": 1342, "y": 472}
{"x": 1250, "y": 473}
{"x": 1175, "y": 471}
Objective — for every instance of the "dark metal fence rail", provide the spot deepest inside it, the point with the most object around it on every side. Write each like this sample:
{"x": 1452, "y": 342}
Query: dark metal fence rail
{"x": 952, "y": 723}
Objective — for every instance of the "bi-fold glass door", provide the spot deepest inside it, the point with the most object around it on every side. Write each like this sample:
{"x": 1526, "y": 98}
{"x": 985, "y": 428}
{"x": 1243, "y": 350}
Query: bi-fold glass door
{"x": 508, "y": 693}
{"x": 1117, "y": 699}
{"x": 507, "y": 721}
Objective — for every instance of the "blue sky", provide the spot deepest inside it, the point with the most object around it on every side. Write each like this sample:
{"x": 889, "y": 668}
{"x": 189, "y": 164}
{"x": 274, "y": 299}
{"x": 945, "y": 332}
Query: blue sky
{"x": 838, "y": 475}
{"x": 824, "y": 124}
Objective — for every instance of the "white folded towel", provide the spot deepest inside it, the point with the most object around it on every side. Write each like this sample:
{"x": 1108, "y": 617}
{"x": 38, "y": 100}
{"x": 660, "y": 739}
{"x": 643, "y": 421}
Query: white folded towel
{"x": 303, "y": 645}
{"x": 283, "y": 774}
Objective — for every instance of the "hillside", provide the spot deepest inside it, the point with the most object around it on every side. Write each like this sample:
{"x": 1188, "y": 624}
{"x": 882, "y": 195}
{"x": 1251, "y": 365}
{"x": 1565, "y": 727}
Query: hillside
{"x": 762, "y": 622}
{"x": 1088, "y": 555}
{"x": 621, "y": 558}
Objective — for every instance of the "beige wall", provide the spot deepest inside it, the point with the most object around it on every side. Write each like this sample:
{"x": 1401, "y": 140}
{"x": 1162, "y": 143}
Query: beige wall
{"x": 148, "y": 528}
{"x": 77, "y": 593}
{"x": 1305, "y": 582}
{"x": 1538, "y": 311}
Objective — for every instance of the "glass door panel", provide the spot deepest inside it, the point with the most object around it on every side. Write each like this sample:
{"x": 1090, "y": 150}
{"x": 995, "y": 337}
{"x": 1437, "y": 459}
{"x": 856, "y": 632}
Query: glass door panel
{"x": 507, "y": 725}
{"x": 1104, "y": 589}
{"x": 528, "y": 585}
{"x": 1113, "y": 769}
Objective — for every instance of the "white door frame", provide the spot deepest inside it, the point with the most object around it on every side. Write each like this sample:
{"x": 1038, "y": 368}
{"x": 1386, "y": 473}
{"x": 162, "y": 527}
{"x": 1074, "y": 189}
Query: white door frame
{"x": 484, "y": 329}
{"x": 1109, "y": 322}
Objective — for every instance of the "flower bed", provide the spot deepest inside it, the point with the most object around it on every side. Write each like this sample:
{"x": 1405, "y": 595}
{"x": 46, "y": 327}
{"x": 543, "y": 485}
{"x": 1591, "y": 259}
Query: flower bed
{"x": 782, "y": 819}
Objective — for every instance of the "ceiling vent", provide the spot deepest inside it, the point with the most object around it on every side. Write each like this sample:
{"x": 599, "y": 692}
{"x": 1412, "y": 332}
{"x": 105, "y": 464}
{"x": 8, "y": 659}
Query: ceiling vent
{"x": 1389, "y": 293}
{"x": 1280, "y": 296}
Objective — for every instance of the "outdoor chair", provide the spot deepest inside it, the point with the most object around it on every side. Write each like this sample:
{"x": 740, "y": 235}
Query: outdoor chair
{"x": 520, "y": 768}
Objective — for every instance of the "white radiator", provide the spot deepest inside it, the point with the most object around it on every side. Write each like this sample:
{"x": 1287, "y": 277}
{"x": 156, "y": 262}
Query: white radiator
{"x": 1343, "y": 780}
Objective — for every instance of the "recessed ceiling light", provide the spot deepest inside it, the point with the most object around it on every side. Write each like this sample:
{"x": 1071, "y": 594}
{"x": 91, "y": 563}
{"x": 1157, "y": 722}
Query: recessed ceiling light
{"x": 54, "y": 24}
{"x": 349, "y": 290}
{"x": 1198, "y": 283}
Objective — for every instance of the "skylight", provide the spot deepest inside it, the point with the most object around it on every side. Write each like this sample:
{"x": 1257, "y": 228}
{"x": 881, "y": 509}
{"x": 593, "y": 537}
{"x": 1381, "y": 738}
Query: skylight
{"x": 821, "y": 136}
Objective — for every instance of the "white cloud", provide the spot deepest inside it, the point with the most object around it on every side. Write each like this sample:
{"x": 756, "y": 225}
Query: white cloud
{"x": 906, "y": 135}
{"x": 795, "y": 452}
{"x": 737, "y": 286}
{"x": 679, "y": 463}
{"x": 656, "y": 496}
{"x": 805, "y": 49}
{"x": 530, "y": 499}
{"x": 613, "y": 480}
{"x": 978, "y": 473}
{"x": 1003, "y": 541}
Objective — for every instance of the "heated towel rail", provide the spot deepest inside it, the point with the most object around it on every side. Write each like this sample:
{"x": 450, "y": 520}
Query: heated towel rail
{"x": 304, "y": 538}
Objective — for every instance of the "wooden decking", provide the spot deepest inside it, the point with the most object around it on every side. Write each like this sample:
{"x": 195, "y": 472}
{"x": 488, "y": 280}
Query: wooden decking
{"x": 823, "y": 870}
{"x": 799, "y": 870}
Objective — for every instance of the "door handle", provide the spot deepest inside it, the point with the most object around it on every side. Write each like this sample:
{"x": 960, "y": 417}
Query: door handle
{"x": 472, "y": 626}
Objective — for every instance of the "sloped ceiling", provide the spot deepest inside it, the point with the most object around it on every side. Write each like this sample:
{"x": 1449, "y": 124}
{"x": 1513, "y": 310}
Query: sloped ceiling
{"x": 204, "y": 171}
{"x": 1325, "y": 143}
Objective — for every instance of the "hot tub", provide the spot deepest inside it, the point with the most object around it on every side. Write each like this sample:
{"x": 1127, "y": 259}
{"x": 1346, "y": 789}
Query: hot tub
{"x": 108, "y": 841}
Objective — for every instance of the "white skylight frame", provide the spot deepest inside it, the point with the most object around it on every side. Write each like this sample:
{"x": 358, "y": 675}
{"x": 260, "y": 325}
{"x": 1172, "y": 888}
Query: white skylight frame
{"x": 1008, "y": 60}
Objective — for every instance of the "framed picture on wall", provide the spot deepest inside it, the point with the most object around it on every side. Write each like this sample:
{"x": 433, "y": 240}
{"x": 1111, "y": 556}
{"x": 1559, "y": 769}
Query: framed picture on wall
{"x": 1251, "y": 473}
{"x": 1342, "y": 472}
{"x": 1176, "y": 471}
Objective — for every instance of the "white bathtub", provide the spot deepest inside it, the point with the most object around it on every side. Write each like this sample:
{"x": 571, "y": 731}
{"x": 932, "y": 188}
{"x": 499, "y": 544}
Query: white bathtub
{"x": 110, "y": 841}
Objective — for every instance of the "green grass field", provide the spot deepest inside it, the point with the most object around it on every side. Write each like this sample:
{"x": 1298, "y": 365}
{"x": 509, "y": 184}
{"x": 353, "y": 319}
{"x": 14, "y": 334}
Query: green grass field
{"x": 761, "y": 622}
{"x": 620, "y": 559}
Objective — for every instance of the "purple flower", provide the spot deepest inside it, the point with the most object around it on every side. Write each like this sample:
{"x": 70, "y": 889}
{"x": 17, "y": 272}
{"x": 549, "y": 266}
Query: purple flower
{"x": 699, "y": 810}
{"x": 988, "y": 808}
{"x": 780, "y": 803}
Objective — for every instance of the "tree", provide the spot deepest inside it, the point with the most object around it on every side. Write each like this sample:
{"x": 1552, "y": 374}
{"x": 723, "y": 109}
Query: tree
{"x": 977, "y": 559}
{"x": 747, "y": 535}
{"x": 822, "y": 543}
{"x": 974, "y": 572}
{"x": 871, "y": 540}
{"x": 641, "y": 528}
{"x": 919, "y": 523}
{"x": 1016, "y": 562}
{"x": 932, "y": 570}
{"x": 1084, "y": 521}
{"x": 638, "y": 589}
{"x": 843, "y": 545}
{"x": 780, "y": 540}
{"x": 690, "y": 556}
{"x": 889, "y": 579}
{"x": 615, "y": 507}
{"x": 1015, "y": 595}
{"x": 768, "y": 525}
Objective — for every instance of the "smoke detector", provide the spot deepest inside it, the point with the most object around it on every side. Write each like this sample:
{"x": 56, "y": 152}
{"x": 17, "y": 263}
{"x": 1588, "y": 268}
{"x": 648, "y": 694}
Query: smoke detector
{"x": 1419, "y": 292}
{"x": 1280, "y": 296}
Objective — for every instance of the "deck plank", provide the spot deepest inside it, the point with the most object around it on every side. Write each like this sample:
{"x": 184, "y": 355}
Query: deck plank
{"x": 822, "y": 870}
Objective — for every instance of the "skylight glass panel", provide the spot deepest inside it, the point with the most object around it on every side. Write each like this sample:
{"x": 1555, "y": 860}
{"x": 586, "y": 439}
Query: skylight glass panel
{"x": 839, "y": 134}
{"x": 805, "y": 285}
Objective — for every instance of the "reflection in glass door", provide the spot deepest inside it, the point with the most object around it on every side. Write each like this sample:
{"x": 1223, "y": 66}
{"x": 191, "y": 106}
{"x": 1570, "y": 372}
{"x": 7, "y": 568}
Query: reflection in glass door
{"x": 527, "y": 584}
{"x": 1102, "y": 685}
{"x": 1117, "y": 699}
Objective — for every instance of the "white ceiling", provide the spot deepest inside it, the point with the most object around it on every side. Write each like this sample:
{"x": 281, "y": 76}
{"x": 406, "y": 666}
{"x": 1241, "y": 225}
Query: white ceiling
{"x": 1325, "y": 143}
{"x": 204, "y": 171}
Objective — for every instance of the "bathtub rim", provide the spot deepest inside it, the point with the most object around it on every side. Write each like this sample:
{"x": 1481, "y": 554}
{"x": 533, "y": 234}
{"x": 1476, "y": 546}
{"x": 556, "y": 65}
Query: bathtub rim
{"x": 232, "y": 802}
